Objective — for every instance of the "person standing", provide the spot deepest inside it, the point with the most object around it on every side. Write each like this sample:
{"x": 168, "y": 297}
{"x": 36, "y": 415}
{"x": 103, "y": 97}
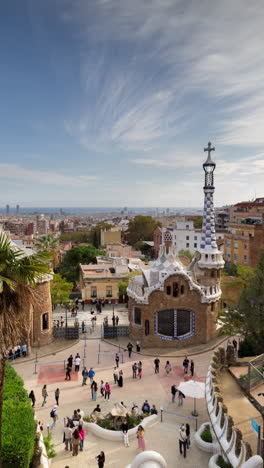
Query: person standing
{"x": 134, "y": 370}
{"x": 77, "y": 363}
{"x": 182, "y": 440}
{"x": 185, "y": 365}
{"x": 82, "y": 436}
{"x": 129, "y": 348}
{"x": 75, "y": 442}
{"x": 32, "y": 398}
{"x": 83, "y": 326}
{"x": 102, "y": 388}
{"x": 192, "y": 368}
{"x": 124, "y": 429}
{"x": 138, "y": 346}
{"x": 54, "y": 414}
{"x": 94, "y": 389}
{"x": 57, "y": 396}
{"x": 117, "y": 320}
{"x": 68, "y": 437}
{"x": 83, "y": 304}
{"x": 188, "y": 435}
{"x": 156, "y": 363}
{"x": 139, "y": 366}
{"x": 91, "y": 375}
{"x": 235, "y": 344}
{"x": 113, "y": 320}
{"x": 61, "y": 321}
{"x": 116, "y": 375}
{"x": 70, "y": 360}
{"x": 101, "y": 459}
{"x": 173, "y": 393}
{"x": 117, "y": 360}
{"x": 168, "y": 367}
{"x": 181, "y": 396}
{"x": 120, "y": 380}
{"x": 107, "y": 390}
{"x": 84, "y": 376}
{"x": 68, "y": 372}
{"x": 141, "y": 439}
{"x": 44, "y": 394}
{"x": 24, "y": 350}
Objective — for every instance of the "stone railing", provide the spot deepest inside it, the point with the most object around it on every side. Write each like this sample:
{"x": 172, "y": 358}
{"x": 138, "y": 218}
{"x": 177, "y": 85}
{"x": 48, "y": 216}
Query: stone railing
{"x": 225, "y": 434}
{"x": 148, "y": 459}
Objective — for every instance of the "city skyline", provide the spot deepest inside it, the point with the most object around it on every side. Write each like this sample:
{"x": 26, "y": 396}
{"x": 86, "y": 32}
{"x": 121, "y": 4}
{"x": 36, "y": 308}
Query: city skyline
{"x": 111, "y": 103}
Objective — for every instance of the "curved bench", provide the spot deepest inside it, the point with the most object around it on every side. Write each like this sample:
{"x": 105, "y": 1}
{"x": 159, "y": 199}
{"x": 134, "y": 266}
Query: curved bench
{"x": 148, "y": 459}
{"x": 117, "y": 436}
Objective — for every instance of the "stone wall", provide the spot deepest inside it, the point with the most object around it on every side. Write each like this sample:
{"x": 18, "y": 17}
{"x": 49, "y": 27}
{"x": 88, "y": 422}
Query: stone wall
{"x": 205, "y": 326}
{"x": 41, "y": 304}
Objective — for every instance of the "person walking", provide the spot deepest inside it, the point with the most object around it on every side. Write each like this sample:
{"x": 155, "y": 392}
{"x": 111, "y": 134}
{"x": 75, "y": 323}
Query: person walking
{"x": 113, "y": 320}
{"x": 182, "y": 440}
{"x": 235, "y": 344}
{"x": 156, "y": 364}
{"x": 134, "y": 370}
{"x": 117, "y": 320}
{"x": 54, "y": 414}
{"x": 68, "y": 437}
{"x": 173, "y": 393}
{"x": 102, "y": 388}
{"x": 91, "y": 374}
{"x": 138, "y": 346}
{"x": 181, "y": 396}
{"x": 82, "y": 436}
{"x": 188, "y": 435}
{"x": 85, "y": 376}
{"x": 115, "y": 375}
{"x": 75, "y": 442}
{"x": 168, "y": 367}
{"x": 140, "y": 438}
{"x": 94, "y": 389}
{"x": 120, "y": 380}
{"x": 185, "y": 365}
{"x": 101, "y": 459}
{"x": 68, "y": 372}
{"x": 107, "y": 390}
{"x": 77, "y": 363}
{"x": 117, "y": 360}
{"x": 124, "y": 429}
{"x": 192, "y": 368}
{"x": 44, "y": 394}
{"x": 129, "y": 348}
{"x": 83, "y": 326}
{"x": 70, "y": 360}
{"x": 139, "y": 366}
{"x": 57, "y": 396}
{"x": 32, "y": 398}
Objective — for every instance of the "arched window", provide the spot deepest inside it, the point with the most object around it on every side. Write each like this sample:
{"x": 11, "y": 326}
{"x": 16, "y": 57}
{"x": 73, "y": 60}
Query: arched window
{"x": 182, "y": 289}
{"x": 212, "y": 306}
{"x": 45, "y": 321}
{"x": 212, "y": 274}
{"x": 137, "y": 315}
{"x": 211, "y": 290}
{"x": 146, "y": 327}
{"x": 168, "y": 290}
{"x": 175, "y": 289}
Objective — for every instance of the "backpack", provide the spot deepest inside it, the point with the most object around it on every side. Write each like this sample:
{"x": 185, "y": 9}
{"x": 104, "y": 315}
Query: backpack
{"x": 52, "y": 413}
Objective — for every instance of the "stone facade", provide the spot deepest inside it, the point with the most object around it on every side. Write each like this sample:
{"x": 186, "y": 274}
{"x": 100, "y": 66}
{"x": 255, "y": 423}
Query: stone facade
{"x": 41, "y": 315}
{"x": 204, "y": 318}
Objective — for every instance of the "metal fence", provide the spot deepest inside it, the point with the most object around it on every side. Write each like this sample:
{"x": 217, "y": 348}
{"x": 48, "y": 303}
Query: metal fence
{"x": 255, "y": 372}
{"x": 109, "y": 331}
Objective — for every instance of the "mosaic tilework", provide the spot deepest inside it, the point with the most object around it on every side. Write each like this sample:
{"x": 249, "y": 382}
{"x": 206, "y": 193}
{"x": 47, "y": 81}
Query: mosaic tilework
{"x": 208, "y": 239}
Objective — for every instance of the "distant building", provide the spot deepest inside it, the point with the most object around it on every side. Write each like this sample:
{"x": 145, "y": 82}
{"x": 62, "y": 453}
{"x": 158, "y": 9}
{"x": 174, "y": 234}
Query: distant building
{"x": 110, "y": 236}
{"x": 17, "y": 209}
{"x": 101, "y": 281}
{"x": 42, "y": 225}
{"x": 122, "y": 250}
{"x": 7, "y": 210}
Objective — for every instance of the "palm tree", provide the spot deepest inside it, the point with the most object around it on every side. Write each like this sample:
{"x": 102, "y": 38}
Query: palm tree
{"x": 48, "y": 243}
{"x": 19, "y": 274}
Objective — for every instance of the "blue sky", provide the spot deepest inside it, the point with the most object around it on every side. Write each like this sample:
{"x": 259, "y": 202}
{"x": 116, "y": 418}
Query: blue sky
{"x": 111, "y": 102}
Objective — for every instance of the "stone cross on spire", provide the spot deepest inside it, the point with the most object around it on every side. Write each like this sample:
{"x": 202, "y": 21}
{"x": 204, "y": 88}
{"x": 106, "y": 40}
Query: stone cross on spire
{"x": 209, "y": 149}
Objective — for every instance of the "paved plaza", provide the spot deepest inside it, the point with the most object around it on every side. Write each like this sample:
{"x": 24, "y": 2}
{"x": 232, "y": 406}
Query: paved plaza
{"x": 162, "y": 437}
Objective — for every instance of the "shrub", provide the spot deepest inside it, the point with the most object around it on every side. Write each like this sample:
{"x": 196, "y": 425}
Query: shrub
{"x": 18, "y": 428}
{"x": 106, "y": 424}
{"x": 49, "y": 446}
{"x": 87, "y": 419}
{"x": 206, "y": 435}
{"x": 222, "y": 463}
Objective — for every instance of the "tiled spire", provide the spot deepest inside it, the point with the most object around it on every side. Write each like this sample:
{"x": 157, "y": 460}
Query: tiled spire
{"x": 208, "y": 240}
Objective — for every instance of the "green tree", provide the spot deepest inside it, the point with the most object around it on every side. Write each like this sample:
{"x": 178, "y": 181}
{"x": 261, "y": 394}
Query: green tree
{"x": 122, "y": 288}
{"x": 76, "y": 237}
{"x": 48, "y": 243}
{"x": 18, "y": 275}
{"x": 85, "y": 254}
{"x": 60, "y": 289}
{"x": 141, "y": 228}
{"x": 96, "y": 233}
{"x": 186, "y": 253}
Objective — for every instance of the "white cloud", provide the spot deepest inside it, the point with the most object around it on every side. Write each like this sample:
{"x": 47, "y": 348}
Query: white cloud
{"x": 17, "y": 173}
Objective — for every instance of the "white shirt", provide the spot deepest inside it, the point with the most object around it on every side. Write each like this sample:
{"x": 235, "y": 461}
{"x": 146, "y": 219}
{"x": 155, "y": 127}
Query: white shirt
{"x": 77, "y": 361}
